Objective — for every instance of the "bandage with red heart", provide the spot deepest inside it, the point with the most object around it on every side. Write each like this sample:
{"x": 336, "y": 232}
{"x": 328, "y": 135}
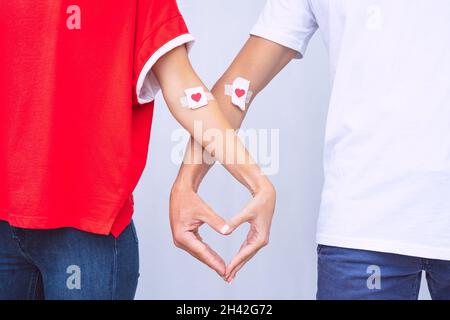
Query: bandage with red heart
{"x": 196, "y": 98}
{"x": 239, "y": 92}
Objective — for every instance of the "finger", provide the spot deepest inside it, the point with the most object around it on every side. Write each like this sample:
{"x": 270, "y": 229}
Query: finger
{"x": 230, "y": 278}
{"x": 215, "y": 221}
{"x": 237, "y": 269}
{"x": 220, "y": 262}
{"x": 239, "y": 219}
{"x": 244, "y": 254}
{"x": 204, "y": 253}
{"x": 220, "y": 266}
{"x": 232, "y": 273}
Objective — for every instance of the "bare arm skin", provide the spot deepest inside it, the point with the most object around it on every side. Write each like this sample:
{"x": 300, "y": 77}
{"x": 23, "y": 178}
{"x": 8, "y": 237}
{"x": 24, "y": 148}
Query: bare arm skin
{"x": 175, "y": 74}
{"x": 259, "y": 61}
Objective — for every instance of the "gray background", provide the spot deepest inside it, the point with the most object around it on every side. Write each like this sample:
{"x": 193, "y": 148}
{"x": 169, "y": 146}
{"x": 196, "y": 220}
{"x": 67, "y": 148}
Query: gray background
{"x": 296, "y": 103}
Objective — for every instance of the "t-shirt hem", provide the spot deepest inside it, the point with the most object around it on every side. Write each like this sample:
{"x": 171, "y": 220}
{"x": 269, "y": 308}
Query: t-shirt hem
{"x": 40, "y": 223}
{"x": 386, "y": 246}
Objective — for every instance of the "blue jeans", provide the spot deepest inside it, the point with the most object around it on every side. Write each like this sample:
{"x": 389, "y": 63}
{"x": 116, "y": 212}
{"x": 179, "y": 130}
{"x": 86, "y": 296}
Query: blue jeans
{"x": 349, "y": 274}
{"x": 67, "y": 264}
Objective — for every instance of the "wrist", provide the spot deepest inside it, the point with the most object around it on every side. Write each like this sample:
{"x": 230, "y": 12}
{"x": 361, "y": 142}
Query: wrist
{"x": 258, "y": 183}
{"x": 185, "y": 183}
{"x": 190, "y": 177}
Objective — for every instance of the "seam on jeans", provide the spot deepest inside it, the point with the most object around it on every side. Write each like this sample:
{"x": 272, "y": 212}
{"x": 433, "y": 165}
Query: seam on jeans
{"x": 114, "y": 271}
{"x": 429, "y": 264}
{"x": 33, "y": 285}
{"x": 416, "y": 286}
{"x": 431, "y": 286}
{"x": 15, "y": 237}
{"x": 134, "y": 231}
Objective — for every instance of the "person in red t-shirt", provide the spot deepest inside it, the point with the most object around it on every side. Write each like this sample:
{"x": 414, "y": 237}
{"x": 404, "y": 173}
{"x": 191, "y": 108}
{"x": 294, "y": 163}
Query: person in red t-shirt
{"x": 78, "y": 83}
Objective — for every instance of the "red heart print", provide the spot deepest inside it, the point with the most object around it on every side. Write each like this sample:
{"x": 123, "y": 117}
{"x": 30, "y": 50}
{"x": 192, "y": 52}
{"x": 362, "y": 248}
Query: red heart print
{"x": 196, "y": 97}
{"x": 239, "y": 92}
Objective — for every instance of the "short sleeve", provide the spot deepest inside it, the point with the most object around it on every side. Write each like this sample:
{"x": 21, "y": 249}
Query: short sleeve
{"x": 160, "y": 28}
{"x": 290, "y": 23}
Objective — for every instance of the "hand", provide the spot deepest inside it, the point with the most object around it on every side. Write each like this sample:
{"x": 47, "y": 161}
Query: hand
{"x": 258, "y": 213}
{"x": 187, "y": 213}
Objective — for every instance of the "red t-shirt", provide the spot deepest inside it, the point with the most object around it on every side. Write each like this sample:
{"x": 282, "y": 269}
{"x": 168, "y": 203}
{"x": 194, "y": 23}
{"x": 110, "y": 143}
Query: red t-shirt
{"x": 76, "y": 106}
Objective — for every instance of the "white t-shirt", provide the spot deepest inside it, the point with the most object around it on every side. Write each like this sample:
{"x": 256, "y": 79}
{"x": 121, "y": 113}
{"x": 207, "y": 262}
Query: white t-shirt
{"x": 387, "y": 148}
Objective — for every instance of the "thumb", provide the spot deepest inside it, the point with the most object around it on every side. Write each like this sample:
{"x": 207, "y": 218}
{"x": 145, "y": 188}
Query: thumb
{"x": 244, "y": 216}
{"x": 215, "y": 221}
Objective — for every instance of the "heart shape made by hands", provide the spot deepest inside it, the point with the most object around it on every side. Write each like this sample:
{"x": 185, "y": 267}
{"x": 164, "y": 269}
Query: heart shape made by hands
{"x": 239, "y": 92}
{"x": 196, "y": 97}
{"x": 189, "y": 212}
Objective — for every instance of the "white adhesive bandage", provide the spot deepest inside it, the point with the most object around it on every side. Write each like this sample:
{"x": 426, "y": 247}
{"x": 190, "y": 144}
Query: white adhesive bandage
{"x": 239, "y": 92}
{"x": 196, "y": 98}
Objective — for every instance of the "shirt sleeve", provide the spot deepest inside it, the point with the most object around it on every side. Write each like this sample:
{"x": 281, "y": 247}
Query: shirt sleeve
{"x": 160, "y": 28}
{"x": 290, "y": 23}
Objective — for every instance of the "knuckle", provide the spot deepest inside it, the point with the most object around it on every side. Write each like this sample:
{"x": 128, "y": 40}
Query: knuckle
{"x": 249, "y": 215}
{"x": 264, "y": 242}
{"x": 178, "y": 239}
{"x": 176, "y": 243}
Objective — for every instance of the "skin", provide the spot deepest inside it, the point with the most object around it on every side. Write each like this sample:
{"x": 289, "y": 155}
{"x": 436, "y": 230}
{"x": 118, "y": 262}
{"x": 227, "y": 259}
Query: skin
{"x": 187, "y": 211}
{"x": 259, "y": 61}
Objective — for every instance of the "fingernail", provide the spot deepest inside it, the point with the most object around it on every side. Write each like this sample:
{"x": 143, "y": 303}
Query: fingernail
{"x": 225, "y": 229}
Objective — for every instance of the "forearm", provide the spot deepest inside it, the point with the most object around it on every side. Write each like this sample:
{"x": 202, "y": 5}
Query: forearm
{"x": 259, "y": 61}
{"x": 197, "y": 163}
{"x": 207, "y": 125}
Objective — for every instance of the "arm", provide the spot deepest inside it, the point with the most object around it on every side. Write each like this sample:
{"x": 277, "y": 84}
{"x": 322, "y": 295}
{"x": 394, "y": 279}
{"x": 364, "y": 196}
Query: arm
{"x": 175, "y": 74}
{"x": 259, "y": 61}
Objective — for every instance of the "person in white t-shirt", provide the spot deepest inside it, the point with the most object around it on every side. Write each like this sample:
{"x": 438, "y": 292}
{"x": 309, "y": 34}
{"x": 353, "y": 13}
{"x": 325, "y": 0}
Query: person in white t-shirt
{"x": 385, "y": 211}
